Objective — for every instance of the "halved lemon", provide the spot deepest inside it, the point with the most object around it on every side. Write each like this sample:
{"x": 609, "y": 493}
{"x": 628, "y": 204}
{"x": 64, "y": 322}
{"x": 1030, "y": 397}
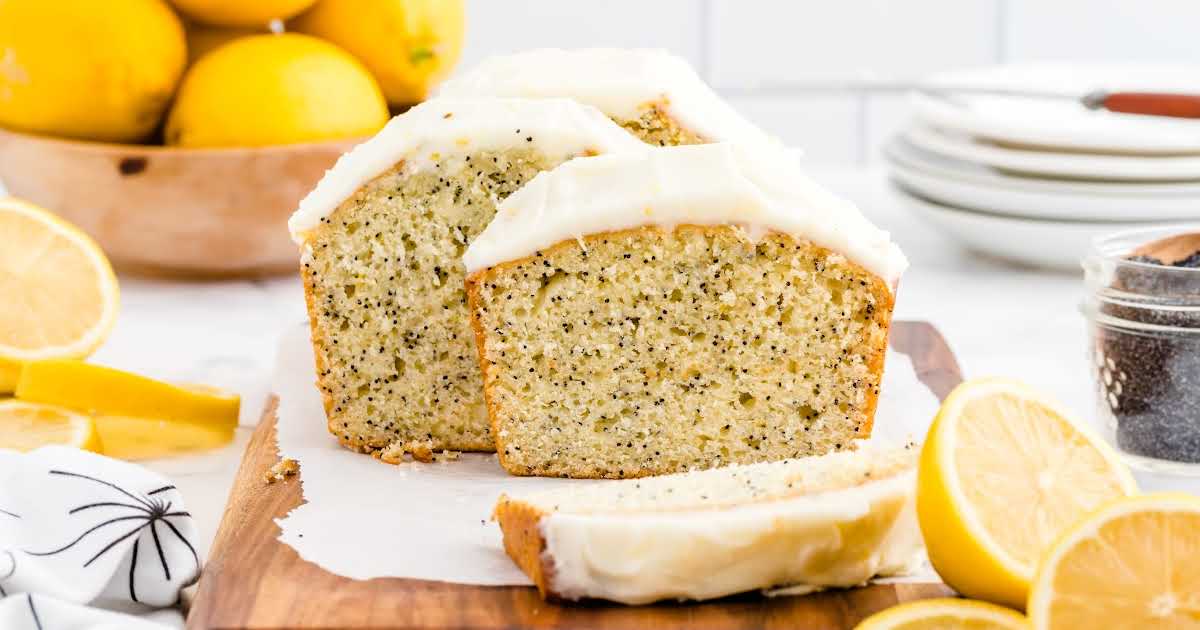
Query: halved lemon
{"x": 60, "y": 294}
{"x": 25, "y": 426}
{"x": 137, "y": 417}
{"x": 945, "y": 614}
{"x": 1004, "y": 471}
{"x": 1132, "y": 564}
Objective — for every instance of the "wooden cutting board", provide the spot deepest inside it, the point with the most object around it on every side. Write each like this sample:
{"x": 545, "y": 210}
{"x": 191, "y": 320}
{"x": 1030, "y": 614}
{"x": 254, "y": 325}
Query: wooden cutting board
{"x": 253, "y": 581}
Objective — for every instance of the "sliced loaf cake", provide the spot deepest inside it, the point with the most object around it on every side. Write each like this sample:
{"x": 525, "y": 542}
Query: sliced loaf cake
{"x": 382, "y": 235}
{"x": 831, "y": 521}
{"x": 675, "y": 309}
{"x": 652, "y": 93}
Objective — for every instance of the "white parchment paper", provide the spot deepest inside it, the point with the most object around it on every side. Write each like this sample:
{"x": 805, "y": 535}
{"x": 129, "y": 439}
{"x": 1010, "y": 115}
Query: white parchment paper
{"x": 364, "y": 519}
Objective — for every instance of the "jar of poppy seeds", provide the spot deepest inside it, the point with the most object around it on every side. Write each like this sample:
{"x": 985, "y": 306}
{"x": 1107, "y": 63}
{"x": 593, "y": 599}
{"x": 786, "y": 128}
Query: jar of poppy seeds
{"x": 1143, "y": 310}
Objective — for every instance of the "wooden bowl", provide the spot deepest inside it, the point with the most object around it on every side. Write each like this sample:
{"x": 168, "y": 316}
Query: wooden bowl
{"x": 199, "y": 212}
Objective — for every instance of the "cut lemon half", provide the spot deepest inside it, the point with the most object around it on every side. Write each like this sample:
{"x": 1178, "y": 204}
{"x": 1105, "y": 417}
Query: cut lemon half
{"x": 26, "y": 426}
{"x": 60, "y": 294}
{"x": 1132, "y": 564}
{"x": 945, "y": 614}
{"x": 1003, "y": 473}
{"x": 137, "y": 417}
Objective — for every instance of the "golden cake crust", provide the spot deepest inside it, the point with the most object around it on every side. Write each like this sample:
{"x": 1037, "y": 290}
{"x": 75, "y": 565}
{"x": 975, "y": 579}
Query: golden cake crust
{"x": 377, "y": 447}
{"x": 523, "y": 540}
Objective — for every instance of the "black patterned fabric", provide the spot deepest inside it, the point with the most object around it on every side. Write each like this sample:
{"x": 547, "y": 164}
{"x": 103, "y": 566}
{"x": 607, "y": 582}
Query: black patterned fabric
{"x": 79, "y": 531}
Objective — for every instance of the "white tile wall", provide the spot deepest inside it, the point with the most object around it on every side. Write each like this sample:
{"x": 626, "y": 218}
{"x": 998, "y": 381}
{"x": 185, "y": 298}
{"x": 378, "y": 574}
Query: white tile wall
{"x": 755, "y": 42}
{"x": 1103, "y": 30}
{"x": 820, "y": 73}
{"x": 500, "y": 26}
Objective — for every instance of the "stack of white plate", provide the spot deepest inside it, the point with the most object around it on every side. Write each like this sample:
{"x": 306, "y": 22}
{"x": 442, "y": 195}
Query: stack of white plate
{"x": 1035, "y": 180}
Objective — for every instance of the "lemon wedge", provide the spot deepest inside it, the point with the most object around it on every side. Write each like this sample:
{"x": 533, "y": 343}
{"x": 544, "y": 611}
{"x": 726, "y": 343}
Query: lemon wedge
{"x": 132, "y": 438}
{"x": 9, "y": 372}
{"x": 25, "y": 426}
{"x": 945, "y": 614}
{"x": 60, "y": 294}
{"x": 137, "y": 417}
{"x": 1003, "y": 473}
{"x": 1132, "y": 564}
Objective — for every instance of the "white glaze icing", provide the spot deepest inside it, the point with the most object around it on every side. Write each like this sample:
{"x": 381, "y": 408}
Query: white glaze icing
{"x": 617, "y": 81}
{"x": 713, "y": 184}
{"x": 444, "y": 127}
{"x": 833, "y": 539}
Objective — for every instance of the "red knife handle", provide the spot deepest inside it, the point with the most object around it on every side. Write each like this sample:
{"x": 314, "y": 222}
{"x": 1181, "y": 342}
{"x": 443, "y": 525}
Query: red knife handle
{"x": 1154, "y": 104}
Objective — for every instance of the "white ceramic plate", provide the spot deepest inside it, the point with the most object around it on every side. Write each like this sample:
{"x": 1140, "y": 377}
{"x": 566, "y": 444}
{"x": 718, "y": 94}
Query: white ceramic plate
{"x": 1055, "y": 164}
{"x": 1065, "y": 123}
{"x": 1049, "y": 244}
{"x": 980, "y": 188}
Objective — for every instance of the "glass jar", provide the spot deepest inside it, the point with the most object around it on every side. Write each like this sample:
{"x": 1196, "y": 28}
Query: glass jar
{"x": 1144, "y": 345}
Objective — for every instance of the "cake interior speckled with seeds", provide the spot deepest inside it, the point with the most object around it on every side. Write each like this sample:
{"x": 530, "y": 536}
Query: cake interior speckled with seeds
{"x": 382, "y": 238}
{"x": 697, "y": 330}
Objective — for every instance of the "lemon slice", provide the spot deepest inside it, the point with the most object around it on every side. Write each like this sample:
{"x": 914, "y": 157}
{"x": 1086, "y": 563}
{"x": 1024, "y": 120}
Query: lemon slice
{"x": 60, "y": 294}
{"x": 945, "y": 614}
{"x": 1132, "y": 564}
{"x": 26, "y": 426}
{"x": 137, "y": 417}
{"x": 1003, "y": 473}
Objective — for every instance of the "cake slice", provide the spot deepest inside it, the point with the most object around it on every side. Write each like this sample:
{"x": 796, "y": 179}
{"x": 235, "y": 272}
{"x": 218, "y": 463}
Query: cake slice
{"x": 831, "y": 521}
{"x": 655, "y": 95}
{"x": 382, "y": 236}
{"x": 675, "y": 309}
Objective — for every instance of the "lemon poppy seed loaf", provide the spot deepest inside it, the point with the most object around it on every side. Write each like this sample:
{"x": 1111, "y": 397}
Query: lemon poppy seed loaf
{"x": 654, "y": 94}
{"x": 382, "y": 236}
{"x": 831, "y": 521}
{"x": 676, "y": 309}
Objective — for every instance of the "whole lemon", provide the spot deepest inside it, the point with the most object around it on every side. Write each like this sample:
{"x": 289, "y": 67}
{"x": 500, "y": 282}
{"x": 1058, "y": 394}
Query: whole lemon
{"x": 89, "y": 70}
{"x": 240, "y": 12}
{"x": 409, "y": 45}
{"x": 274, "y": 89}
{"x": 202, "y": 38}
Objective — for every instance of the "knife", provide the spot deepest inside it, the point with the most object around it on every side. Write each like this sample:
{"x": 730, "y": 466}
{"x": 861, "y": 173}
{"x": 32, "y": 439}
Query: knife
{"x": 1167, "y": 104}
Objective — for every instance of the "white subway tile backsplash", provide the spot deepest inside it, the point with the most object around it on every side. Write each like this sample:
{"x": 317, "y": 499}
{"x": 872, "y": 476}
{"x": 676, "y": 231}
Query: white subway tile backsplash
{"x": 503, "y": 26}
{"x": 824, "y": 126}
{"x": 1102, "y": 30}
{"x": 810, "y": 71}
{"x": 755, "y": 42}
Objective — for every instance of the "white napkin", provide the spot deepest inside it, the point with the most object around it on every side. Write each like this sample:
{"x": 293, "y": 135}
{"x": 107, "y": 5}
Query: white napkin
{"x": 80, "y": 531}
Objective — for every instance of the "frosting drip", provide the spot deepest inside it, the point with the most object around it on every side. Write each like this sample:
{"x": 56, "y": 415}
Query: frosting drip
{"x": 445, "y": 127}
{"x": 714, "y": 184}
{"x": 834, "y": 539}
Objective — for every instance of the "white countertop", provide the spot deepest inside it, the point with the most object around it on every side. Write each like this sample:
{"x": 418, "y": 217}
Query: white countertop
{"x": 999, "y": 319}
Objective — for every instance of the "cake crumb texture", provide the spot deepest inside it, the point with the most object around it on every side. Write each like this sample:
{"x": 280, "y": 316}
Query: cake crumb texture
{"x": 383, "y": 277}
{"x": 395, "y": 359}
{"x": 654, "y": 126}
{"x": 659, "y": 350}
{"x": 282, "y": 469}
